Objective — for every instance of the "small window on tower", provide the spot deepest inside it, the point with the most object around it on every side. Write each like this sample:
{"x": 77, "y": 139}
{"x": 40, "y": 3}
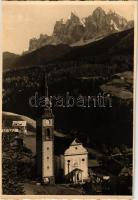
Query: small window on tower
{"x": 47, "y": 157}
{"x": 48, "y": 132}
{"x": 76, "y": 148}
{"x": 47, "y": 167}
{"x": 83, "y": 159}
{"x": 47, "y": 148}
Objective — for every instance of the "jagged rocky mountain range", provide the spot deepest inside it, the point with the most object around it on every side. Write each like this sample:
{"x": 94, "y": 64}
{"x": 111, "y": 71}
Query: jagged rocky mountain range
{"x": 116, "y": 44}
{"x": 76, "y": 31}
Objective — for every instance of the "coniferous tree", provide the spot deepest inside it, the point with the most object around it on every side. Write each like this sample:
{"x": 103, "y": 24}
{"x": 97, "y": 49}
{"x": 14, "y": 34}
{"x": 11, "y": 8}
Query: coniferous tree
{"x": 12, "y": 154}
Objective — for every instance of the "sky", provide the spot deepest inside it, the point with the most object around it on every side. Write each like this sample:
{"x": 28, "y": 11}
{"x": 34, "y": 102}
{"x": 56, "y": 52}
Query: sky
{"x": 23, "y": 21}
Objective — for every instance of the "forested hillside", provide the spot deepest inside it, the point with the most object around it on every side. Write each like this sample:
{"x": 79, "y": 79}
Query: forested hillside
{"x": 85, "y": 70}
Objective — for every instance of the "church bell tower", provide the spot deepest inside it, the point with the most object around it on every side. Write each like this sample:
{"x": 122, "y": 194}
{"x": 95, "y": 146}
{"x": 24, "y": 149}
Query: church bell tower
{"x": 45, "y": 144}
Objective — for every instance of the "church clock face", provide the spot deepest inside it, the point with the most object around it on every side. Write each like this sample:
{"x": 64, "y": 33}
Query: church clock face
{"x": 47, "y": 122}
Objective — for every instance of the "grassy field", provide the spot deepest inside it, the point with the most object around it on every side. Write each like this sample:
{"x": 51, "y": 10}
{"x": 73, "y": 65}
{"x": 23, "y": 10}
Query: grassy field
{"x": 33, "y": 189}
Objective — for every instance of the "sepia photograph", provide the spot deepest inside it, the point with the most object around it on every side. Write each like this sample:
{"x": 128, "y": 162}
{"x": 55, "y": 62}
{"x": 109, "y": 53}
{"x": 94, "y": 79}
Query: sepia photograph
{"x": 68, "y": 92}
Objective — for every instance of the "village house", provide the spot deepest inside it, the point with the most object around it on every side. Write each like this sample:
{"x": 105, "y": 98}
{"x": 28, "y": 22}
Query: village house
{"x": 21, "y": 126}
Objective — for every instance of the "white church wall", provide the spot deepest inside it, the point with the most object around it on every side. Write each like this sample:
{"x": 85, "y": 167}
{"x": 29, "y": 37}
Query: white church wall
{"x": 75, "y": 149}
{"x": 76, "y": 156}
{"x": 77, "y": 161}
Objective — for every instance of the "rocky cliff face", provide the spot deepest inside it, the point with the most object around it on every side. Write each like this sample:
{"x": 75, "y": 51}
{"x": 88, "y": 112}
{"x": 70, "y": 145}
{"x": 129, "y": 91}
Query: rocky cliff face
{"x": 69, "y": 32}
{"x": 42, "y": 41}
{"x": 98, "y": 24}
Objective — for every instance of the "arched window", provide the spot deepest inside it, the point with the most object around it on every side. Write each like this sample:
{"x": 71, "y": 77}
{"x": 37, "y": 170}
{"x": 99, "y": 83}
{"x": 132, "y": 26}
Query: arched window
{"x": 47, "y": 134}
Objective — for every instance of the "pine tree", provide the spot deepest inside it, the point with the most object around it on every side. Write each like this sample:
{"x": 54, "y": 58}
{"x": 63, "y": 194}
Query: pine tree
{"x": 12, "y": 182}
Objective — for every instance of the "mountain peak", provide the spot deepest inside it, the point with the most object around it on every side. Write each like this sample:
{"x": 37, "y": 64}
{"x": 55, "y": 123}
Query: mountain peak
{"x": 75, "y": 29}
{"x": 99, "y": 10}
{"x": 110, "y": 12}
{"x": 74, "y": 17}
{"x": 73, "y": 14}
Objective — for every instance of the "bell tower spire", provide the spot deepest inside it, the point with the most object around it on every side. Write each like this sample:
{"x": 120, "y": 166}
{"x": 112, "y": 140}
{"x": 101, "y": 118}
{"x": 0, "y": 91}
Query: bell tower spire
{"x": 45, "y": 141}
{"x": 46, "y": 84}
{"x": 47, "y": 112}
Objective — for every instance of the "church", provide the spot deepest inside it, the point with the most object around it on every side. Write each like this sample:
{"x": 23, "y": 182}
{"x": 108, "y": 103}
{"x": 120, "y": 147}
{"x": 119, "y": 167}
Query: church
{"x": 74, "y": 159}
{"x": 76, "y": 163}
